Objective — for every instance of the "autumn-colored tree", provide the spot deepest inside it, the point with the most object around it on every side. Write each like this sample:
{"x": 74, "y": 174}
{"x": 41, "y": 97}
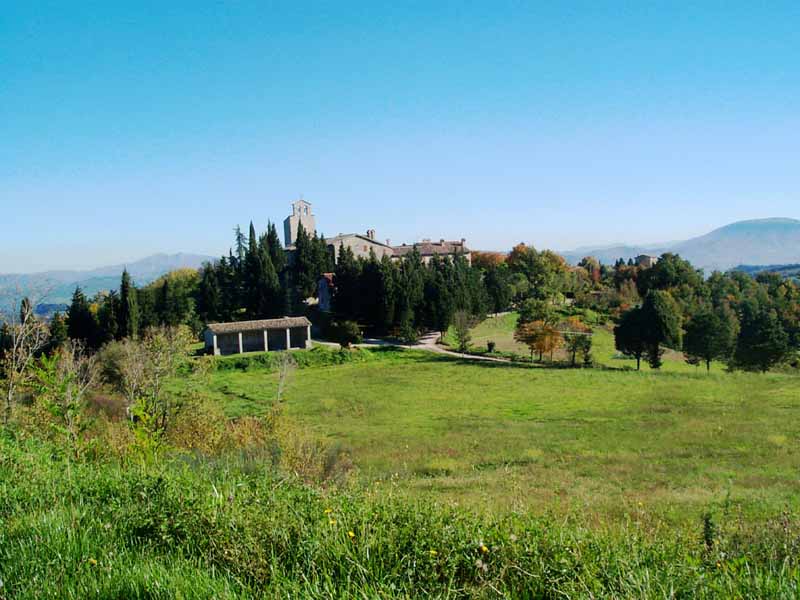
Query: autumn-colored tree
{"x": 577, "y": 337}
{"x": 540, "y": 337}
{"x": 488, "y": 260}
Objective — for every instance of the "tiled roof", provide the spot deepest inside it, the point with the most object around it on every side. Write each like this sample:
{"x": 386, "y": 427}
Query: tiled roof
{"x": 236, "y": 327}
{"x": 443, "y": 248}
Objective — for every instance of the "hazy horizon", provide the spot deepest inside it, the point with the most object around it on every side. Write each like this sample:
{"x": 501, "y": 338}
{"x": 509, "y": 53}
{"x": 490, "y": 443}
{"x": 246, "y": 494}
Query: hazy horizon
{"x": 130, "y": 131}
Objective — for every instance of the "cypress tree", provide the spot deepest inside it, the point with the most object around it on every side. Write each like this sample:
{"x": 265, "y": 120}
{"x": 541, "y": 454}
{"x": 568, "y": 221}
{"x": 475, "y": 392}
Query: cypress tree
{"x": 128, "y": 314}
{"x": 108, "y": 320}
{"x": 209, "y": 297}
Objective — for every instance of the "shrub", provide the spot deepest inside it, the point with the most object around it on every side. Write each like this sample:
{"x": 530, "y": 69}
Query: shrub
{"x": 347, "y": 333}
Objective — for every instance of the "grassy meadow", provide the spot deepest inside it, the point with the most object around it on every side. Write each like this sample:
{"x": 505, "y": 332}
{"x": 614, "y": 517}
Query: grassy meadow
{"x": 468, "y": 480}
{"x": 603, "y": 443}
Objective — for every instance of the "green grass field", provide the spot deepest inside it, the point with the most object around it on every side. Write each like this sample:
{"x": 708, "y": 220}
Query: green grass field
{"x": 500, "y": 330}
{"x": 601, "y": 443}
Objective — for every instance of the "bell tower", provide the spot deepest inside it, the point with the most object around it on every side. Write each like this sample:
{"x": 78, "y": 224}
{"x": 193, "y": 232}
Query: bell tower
{"x": 301, "y": 213}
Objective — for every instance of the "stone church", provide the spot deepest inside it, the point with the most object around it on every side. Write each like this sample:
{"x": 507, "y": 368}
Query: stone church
{"x": 362, "y": 244}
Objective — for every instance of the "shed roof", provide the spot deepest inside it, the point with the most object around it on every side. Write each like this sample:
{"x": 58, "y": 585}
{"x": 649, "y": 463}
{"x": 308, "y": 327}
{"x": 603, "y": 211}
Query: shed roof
{"x": 238, "y": 326}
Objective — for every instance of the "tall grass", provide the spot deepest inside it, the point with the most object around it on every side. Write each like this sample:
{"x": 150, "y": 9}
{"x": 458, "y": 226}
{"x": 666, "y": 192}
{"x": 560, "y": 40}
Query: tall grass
{"x": 226, "y": 528}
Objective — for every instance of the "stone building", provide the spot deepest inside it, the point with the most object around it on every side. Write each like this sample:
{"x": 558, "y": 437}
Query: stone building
{"x": 301, "y": 213}
{"x": 364, "y": 244}
{"x": 360, "y": 245}
{"x": 287, "y": 333}
{"x": 645, "y": 261}
{"x": 428, "y": 249}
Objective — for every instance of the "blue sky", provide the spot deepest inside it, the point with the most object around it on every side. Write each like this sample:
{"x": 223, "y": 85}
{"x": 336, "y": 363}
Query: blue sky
{"x": 128, "y": 130}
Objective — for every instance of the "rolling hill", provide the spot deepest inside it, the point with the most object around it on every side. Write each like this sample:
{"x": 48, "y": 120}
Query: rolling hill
{"x": 56, "y": 287}
{"x": 756, "y": 242}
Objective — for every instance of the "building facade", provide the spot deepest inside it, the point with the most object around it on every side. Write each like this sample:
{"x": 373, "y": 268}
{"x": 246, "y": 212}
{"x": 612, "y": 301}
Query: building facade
{"x": 287, "y": 333}
{"x": 301, "y": 213}
{"x": 428, "y": 249}
{"x": 361, "y": 245}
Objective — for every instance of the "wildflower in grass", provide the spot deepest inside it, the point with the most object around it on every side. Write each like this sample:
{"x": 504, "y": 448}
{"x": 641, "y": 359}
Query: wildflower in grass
{"x": 328, "y": 511}
{"x": 432, "y": 552}
{"x": 92, "y": 562}
{"x": 332, "y": 522}
{"x": 484, "y": 549}
{"x": 351, "y": 535}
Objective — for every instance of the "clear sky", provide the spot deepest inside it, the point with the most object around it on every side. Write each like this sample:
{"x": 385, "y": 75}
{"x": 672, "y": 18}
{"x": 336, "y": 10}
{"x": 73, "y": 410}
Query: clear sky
{"x": 158, "y": 126}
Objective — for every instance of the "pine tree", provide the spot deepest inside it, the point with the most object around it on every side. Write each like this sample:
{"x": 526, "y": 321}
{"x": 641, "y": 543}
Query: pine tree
{"x": 128, "y": 308}
{"x": 81, "y": 323}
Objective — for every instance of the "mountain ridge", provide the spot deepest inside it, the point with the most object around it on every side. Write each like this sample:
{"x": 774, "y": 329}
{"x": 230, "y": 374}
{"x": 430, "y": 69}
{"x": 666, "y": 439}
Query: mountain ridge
{"x": 772, "y": 240}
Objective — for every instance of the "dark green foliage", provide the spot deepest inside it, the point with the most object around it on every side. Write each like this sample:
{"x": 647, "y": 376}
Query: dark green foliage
{"x": 662, "y": 325}
{"x": 107, "y": 318}
{"x": 128, "y": 316}
{"x": 537, "y": 310}
{"x": 439, "y": 300}
{"x": 81, "y": 321}
{"x": 58, "y": 331}
{"x": 630, "y": 335}
{"x": 347, "y": 333}
{"x": 209, "y": 295}
{"x": 762, "y": 341}
{"x": 711, "y": 335}
{"x": 499, "y": 288}
{"x": 347, "y": 281}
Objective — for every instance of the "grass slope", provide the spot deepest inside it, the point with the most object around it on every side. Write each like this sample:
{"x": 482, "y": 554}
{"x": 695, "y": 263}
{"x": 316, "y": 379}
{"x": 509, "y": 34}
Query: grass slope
{"x": 605, "y": 443}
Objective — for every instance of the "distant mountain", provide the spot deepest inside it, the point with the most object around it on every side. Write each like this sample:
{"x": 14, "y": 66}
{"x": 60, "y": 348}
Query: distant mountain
{"x": 56, "y": 287}
{"x": 792, "y": 271}
{"x": 757, "y": 242}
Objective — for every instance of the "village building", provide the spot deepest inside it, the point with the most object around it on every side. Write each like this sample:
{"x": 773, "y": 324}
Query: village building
{"x": 287, "y": 333}
{"x": 645, "y": 261}
{"x": 428, "y": 249}
{"x": 301, "y": 214}
{"x": 361, "y": 245}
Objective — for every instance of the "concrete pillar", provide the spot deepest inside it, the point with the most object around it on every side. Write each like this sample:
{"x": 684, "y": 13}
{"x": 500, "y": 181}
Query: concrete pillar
{"x": 308, "y": 337}
{"x": 241, "y": 346}
{"x": 266, "y": 340}
{"x": 288, "y": 339}
{"x": 216, "y": 349}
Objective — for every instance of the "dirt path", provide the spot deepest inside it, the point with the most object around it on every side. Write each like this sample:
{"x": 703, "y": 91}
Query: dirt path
{"x": 427, "y": 342}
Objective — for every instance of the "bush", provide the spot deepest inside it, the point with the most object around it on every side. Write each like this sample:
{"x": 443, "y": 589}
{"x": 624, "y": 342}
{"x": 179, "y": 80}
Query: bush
{"x": 347, "y": 333}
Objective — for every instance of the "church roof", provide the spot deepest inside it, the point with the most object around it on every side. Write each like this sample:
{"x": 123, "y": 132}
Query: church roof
{"x": 344, "y": 236}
